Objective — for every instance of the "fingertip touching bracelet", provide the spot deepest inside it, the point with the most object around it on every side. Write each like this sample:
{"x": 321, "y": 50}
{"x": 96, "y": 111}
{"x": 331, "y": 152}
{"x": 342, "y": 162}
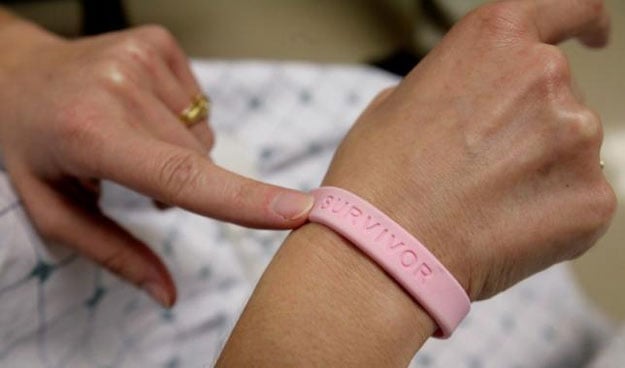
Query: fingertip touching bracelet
{"x": 399, "y": 253}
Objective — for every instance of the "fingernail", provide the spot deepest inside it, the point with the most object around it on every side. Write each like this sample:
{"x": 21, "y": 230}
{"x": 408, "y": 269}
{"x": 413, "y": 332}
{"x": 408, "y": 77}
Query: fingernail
{"x": 158, "y": 293}
{"x": 292, "y": 205}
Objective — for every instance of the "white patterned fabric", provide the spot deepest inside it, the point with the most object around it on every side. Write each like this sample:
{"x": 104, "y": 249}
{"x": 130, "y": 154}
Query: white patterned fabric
{"x": 279, "y": 122}
{"x": 613, "y": 354}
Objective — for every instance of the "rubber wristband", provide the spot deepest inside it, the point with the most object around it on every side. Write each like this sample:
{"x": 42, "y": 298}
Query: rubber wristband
{"x": 400, "y": 254}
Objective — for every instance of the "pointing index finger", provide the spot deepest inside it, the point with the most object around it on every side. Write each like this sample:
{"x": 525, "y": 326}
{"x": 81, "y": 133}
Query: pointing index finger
{"x": 182, "y": 177}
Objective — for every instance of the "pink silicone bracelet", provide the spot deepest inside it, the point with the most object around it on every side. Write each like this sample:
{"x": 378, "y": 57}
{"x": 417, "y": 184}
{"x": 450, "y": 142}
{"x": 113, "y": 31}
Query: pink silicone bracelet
{"x": 400, "y": 254}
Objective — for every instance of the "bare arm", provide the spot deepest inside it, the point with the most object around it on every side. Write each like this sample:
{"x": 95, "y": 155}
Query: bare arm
{"x": 323, "y": 301}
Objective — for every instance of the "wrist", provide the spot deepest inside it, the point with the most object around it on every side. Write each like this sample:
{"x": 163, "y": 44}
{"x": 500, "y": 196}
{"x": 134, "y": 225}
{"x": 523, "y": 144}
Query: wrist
{"x": 421, "y": 221}
{"x": 19, "y": 39}
{"x": 366, "y": 287}
{"x": 323, "y": 302}
{"x": 402, "y": 256}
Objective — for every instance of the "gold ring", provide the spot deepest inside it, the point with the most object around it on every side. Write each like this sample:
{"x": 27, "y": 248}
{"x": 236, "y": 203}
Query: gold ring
{"x": 197, "y": 111}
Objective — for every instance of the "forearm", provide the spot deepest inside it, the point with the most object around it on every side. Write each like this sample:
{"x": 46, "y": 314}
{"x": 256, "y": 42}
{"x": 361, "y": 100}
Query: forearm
{"x": 323, "y": 302}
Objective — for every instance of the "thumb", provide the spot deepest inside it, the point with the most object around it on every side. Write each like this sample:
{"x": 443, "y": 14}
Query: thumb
{"x": 184, "y": 178}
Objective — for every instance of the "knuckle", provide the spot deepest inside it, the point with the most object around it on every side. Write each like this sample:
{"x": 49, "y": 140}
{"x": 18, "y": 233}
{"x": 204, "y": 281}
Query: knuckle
{"x": 607, "y": 202}
{"x": 179, "y": 173}
{"x": 117, "y": 74}
{"x": 157, "y": 32}
{"x": 556, "y": 63}
{"x": 552, "y": 70}
{"x": 77, "y": 125}
{"x": 160, "y": 36}
{"x": 602, "y": 206}
{"x": 584, "y": 130}
{"x": 138, "y": 51}
{"x": 240, "y": 195}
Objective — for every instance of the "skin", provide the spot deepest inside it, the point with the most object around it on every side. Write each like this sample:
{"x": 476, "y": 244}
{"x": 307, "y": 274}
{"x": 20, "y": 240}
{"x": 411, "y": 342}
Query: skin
{"x": 484, "y": 153}
{"x": 75, "y": 112}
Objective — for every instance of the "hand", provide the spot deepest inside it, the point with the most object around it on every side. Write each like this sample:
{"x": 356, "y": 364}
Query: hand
{"x": 484, "y": 152}
{"x": 75, "y": 112}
